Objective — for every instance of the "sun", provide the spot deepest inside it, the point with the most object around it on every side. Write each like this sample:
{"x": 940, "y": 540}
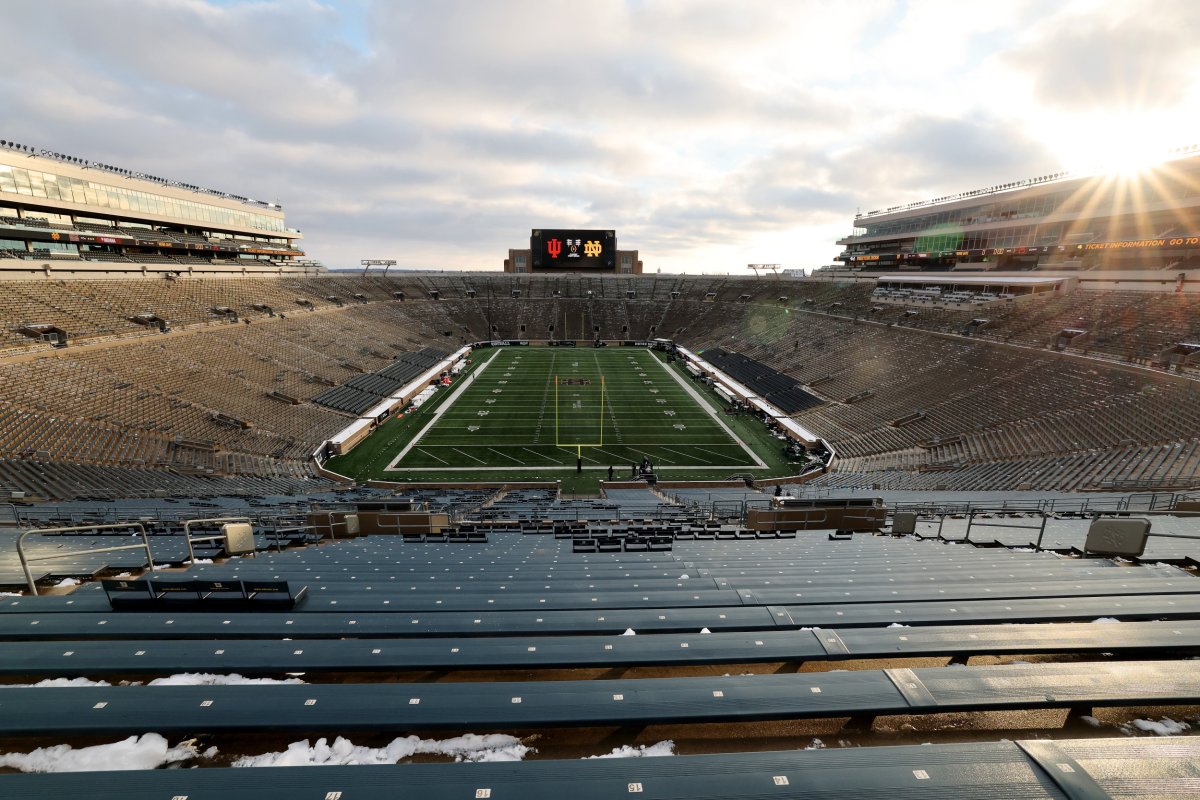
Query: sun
{"x": 1129, "y": 161}
{"x": 1113, "y": 155}
{"x": 1111, "y": 146}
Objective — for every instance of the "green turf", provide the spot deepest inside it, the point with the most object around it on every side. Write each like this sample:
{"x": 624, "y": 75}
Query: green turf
{"x": 518, "y": 438}
{"x": 531, "y": 408}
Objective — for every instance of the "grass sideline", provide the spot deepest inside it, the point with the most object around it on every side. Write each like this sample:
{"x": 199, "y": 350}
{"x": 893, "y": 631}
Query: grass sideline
{"x": 507, "y": 423}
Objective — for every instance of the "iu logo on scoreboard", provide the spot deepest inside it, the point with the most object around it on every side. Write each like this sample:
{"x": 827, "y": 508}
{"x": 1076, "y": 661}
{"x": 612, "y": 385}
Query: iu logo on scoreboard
{"x": 554, "y": 248}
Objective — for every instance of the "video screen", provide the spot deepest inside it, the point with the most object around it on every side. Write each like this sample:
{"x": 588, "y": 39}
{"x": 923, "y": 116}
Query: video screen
{"x": 573, "y": 249}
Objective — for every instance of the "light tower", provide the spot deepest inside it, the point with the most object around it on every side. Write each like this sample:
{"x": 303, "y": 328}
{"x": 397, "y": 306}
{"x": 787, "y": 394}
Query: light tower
{"x": 760, "y": 268}
{"x": 367, "y": 263}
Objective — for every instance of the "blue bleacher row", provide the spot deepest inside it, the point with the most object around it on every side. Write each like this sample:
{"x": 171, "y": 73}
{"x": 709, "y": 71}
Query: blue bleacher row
{"x": 366, "y": 391}
{"x": 778, "y": 389}
{"x": 384, "y": 607}
{"x": 100, "y": 658}
{"x": 1032, "y": 769}
{"x": 397, "y": 707}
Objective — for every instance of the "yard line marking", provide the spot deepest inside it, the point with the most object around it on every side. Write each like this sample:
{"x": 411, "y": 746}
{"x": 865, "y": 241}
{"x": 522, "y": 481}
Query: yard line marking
{"x": 648, "y": 456}
{"x": 534, "y": 452}
{"x": 610, "y": 453}
{"x": 431, "y": 455}
{"x": 700, "y": 401}
{"x": 468, "y": 455}
{"x": 442, "y": 407}
{"x": 713, "y": 452}
{"x": 599, "y": 467}
{"x": 506, "y": 455}
{"x": 680, "y": 452}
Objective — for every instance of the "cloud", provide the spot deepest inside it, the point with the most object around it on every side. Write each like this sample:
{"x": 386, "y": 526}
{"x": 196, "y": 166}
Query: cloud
{"x": 1121, "y": 58}
{"x": 927, "y": 156}
{"x": 440, "y": 133}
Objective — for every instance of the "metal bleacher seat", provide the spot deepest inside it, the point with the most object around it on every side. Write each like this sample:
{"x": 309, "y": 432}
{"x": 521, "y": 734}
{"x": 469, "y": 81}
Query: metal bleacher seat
{"x": 254, "y": 656}
{"x": 1027, "y": 768}
{"x": 517, "y": 603}
{"x": 396, "y": 707}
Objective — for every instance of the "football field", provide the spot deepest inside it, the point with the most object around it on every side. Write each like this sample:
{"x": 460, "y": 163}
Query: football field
{"x": 534, "y": 408}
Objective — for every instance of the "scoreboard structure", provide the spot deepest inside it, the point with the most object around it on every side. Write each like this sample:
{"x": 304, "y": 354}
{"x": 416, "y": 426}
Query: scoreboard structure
{"x": 573, "y": 250}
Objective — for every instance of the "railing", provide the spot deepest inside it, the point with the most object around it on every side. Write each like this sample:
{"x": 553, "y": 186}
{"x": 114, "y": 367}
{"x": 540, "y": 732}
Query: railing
{"x": 187, "y": 532}
{"x": 1152, "y": 501}
{"x": 1040, "y": 527}
{"x": 329, "y": 523}
{"x": 26, "y": 559}
{"x": 1043, "y": 516}
{"x": 154, "y": 514}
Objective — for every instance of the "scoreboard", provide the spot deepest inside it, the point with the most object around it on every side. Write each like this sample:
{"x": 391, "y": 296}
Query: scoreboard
{"x": 568, "y": 250}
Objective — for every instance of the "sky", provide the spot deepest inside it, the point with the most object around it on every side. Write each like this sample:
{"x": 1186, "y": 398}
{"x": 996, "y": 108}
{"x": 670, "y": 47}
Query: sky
{"x": 709, "y": 134}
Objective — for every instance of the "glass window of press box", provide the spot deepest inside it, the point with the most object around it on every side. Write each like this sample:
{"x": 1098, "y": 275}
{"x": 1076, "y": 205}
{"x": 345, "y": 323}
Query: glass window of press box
{"x": 33, "y": 183}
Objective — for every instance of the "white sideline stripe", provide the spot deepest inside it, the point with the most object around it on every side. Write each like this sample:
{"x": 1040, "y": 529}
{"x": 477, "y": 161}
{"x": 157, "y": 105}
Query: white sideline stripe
{"x": 717, "y": 419}
{"x": 442, "y": 407}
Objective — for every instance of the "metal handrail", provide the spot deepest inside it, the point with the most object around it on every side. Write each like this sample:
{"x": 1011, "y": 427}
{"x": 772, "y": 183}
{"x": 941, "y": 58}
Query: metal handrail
{"x": 330, "y": 522}
{"x": 1040, "y": 528}
{"x": 274, "y": 532}
{"x": 26, "y": 559}
{"x": 393, "y": 517}
{"x": 187, "y": 536}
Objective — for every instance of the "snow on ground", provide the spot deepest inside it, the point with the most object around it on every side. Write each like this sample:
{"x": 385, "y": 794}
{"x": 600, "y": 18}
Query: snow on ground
{"x": 66, "y": 583}
{"x": 182, "y": 679}
{"x": 207, "y": 679}
{"x": 470, "y": 747}
{"x": 149, "y": 751}
{"x": 1106, "y": 620}
{"x": 55, "y": 683}
{"x": 664, "y": 748}
{"x": 1162, "y": 727}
